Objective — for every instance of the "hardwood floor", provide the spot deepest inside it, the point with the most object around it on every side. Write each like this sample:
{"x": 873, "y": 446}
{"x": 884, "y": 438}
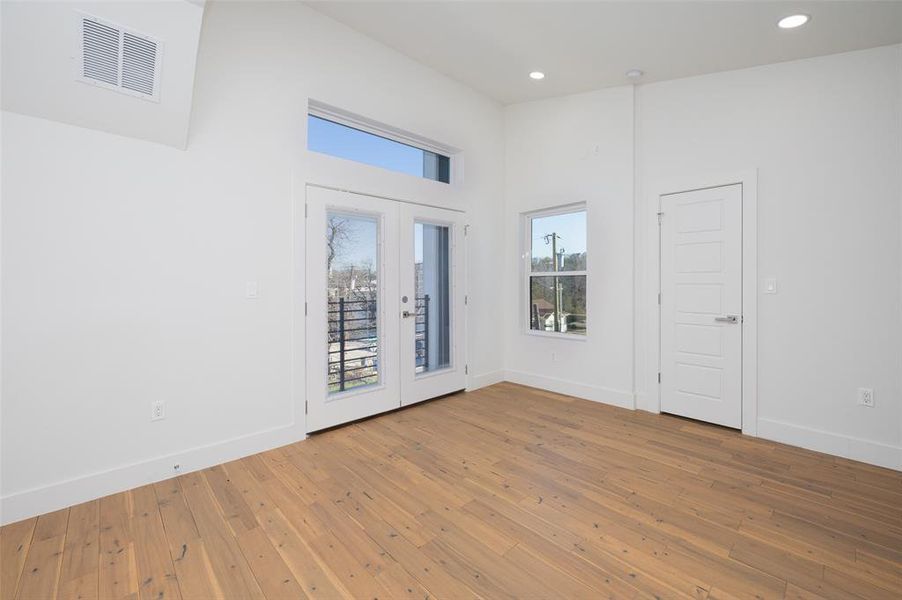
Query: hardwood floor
{"x": 503, "y": 492}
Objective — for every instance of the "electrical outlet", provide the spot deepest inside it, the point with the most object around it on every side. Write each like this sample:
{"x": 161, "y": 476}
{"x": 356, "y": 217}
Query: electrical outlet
{"x": 866, "y": 397}
{"x": 157, "y": 411}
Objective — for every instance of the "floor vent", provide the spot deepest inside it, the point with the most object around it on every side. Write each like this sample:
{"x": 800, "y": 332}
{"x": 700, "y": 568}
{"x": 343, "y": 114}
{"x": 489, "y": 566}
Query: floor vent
{"x": 119, "y": 59}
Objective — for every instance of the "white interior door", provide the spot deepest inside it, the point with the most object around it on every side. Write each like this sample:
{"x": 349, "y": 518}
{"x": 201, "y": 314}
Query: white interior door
{"x": 432, "y": 302}
{"x": 352, "y": 322}
{"x": 701, "y": 305}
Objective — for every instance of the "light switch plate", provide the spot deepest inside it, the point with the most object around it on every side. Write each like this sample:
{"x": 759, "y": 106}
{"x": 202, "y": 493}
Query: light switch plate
{"x": 770, "y": 286}
{"x": 251, "y": 289}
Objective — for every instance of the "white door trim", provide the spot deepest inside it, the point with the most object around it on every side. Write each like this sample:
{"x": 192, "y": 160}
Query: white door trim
{"x": 749, "y": 181}
{"x": 382, "y": 197}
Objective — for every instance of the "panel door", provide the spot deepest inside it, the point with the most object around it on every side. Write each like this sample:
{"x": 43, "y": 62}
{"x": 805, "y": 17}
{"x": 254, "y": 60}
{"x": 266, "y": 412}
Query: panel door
{"x": 701, "y": 305}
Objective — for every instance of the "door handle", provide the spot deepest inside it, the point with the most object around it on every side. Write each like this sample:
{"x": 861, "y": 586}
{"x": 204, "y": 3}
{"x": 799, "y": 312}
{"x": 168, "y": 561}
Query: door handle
{"x": 727, "y": 319}
{"x": 406, "y": 314}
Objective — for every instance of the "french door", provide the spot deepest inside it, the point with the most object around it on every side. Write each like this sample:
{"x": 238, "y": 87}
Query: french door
{"x": 385, "y": 305}
{"x": 432, "y": 302}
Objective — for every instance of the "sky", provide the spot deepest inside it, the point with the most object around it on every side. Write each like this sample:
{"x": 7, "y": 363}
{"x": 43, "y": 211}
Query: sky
{"x": 570, "y": 227}
{"x": 344, "y": 142}
{"x": 360, "y": 248}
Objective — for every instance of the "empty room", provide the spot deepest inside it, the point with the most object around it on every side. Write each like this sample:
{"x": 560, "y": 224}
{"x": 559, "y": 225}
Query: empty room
{"x": 450, "y": 299}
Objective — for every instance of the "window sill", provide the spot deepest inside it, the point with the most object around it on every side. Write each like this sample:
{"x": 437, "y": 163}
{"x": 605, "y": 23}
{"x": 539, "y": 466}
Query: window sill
{"x": 556, "y": 336}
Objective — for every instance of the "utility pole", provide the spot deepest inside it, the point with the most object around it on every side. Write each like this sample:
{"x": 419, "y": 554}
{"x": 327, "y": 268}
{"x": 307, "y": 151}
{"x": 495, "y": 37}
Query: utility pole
{"x": 552, "y": 238}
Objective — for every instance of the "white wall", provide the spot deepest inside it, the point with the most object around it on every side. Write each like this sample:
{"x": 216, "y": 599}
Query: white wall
{"x": 125, "y": 262}
{"x": 826, "y": 137}
{"x": 560, "y": 151}
{"x": 40, "y": 59}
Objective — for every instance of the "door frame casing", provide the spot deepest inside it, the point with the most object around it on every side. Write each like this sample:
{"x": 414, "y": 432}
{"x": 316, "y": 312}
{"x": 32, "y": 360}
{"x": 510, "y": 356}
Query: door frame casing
{"x": 652, "y": 309}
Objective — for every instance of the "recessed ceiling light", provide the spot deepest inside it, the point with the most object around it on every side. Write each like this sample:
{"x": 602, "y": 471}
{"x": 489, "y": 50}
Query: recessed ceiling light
{"x": 793, "y": 21}
{"x": 537, "y": 75}
{"x": 634, "y": 74}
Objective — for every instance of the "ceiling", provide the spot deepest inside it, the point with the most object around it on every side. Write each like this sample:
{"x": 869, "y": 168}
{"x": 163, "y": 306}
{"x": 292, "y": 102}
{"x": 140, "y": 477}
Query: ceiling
{"x": 581, "y": 46}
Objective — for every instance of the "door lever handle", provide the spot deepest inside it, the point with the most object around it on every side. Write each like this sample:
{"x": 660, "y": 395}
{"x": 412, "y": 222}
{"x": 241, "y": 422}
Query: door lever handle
{"x": 727, "y": 319}
{"x": 406, "y": 314}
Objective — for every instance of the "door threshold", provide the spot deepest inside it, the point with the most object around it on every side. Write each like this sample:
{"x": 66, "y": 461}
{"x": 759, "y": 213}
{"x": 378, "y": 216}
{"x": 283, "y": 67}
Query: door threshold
{"x": 388, "y": 412}
{"x": 702, "y": 422}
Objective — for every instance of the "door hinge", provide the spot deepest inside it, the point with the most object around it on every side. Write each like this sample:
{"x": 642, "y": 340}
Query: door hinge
{"x": 305, "y": 407}
{"x": 466, "y": 369}
{"x": 659, "y": 297}
{"x": 659, "y": 378}
{"x": 466, "y": 299}
{"x": 305, "y": 210}
{"x": 660, "y": 217}
{"x": 466, "y": 230}
{"x": 305, "y": 309}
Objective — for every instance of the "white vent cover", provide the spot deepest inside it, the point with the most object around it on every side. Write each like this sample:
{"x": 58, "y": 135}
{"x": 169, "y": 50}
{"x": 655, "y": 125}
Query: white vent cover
{"x": 116, "y": 58}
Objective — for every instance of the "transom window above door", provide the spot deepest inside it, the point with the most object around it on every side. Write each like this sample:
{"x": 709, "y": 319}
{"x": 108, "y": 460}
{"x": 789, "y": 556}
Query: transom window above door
{"x": 555, "y": 286}
{"x": 340, "y": 134}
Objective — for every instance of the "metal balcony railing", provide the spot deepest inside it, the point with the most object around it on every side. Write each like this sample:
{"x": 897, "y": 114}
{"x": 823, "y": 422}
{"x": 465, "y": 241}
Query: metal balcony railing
{"x": 353, "y": 341}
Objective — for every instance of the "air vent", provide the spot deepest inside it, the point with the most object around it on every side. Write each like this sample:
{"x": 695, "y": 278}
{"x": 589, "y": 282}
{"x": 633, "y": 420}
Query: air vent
{"x": 139, "y": 58}
{"x": 116, "y": 58}
{"x": 101, "y": 52}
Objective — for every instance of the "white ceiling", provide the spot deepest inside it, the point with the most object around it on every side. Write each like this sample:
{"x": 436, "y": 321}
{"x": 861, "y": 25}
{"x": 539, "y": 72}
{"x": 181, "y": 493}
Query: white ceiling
{"x": 581, "y": 46}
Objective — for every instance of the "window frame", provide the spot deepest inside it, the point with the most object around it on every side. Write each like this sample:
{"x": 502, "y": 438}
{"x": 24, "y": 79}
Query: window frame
{"x": 528, "y": 274}
{"x": 342, "y": 117}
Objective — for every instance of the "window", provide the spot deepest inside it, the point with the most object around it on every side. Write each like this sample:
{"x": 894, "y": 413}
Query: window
{"x": 432, "y": 282}
{"x": 337, "y": 139}
{"x": 556, "y": 271}
{"x": 353, "y": 306}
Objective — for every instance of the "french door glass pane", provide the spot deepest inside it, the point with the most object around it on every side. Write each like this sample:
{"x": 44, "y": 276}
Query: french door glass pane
{"x": 432, "y": 263}
{"x": 352, "y": 259}
{"x": 558, "y": 303}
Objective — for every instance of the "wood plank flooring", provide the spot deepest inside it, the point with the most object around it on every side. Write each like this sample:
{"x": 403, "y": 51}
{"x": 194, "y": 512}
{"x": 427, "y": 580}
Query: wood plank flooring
{"x": 503, "y": 492}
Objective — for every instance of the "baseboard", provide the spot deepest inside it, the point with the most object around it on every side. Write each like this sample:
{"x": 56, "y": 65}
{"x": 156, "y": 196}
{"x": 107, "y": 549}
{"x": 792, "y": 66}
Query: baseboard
{"x": 475, "y": 382}
{"x": 37, "y": 501}
{"x": 595, "y": 393}
{"x": 866, "y": 451}
{"x": 643, "y": 401}
{"x": 53, "y": 497}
